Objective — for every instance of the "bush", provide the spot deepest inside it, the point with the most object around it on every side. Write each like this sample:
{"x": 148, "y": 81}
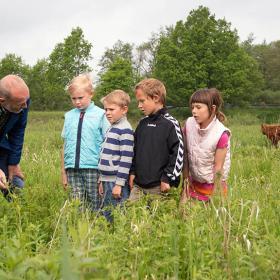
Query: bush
{"x": 268, "y": 97}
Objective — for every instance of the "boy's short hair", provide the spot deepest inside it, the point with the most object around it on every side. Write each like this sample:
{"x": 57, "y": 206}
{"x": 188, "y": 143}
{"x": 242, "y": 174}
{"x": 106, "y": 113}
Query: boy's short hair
{"x": 81, "y": 82}
{"x": 153, "y": 87}
{"x": 118, "y": 97}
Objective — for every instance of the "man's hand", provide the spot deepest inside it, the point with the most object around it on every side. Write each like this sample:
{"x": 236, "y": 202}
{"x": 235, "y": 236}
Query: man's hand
{"x": 164, "y": 187}
{"x": 116, "y": 191}
{"x": 14, "y": 170}
{"x": 3, "y": 181}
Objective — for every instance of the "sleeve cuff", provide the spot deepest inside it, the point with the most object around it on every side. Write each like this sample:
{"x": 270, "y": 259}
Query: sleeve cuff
{"x": 120, "y": 182}
{"x": 13, "y": 161}
{"x": 165, "y": 179}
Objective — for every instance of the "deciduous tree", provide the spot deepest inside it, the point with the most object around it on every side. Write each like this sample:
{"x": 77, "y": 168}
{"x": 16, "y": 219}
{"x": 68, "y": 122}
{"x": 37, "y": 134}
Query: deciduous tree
{"x": 204, "y": 52}
{"x": 67, "y": 60}
{"x": 13, "y": 64}
{"x": 117, "y": 71}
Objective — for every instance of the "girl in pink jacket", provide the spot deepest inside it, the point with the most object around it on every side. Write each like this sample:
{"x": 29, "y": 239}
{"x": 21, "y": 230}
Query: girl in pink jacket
{"x": 207, "y": 146}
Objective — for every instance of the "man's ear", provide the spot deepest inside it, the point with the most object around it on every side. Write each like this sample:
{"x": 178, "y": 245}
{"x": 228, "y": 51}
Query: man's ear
{"x": 2, "y": 99}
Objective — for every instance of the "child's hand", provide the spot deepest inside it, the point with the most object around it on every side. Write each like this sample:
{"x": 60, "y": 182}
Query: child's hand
{"x": 64, "y": 180}
{"x": 116, "y": 191}
{"x": 131, "y": 181}
{"x": 100, "y": 189}
{"x": 164, "y": 187}
{"x": 218, "y": 190}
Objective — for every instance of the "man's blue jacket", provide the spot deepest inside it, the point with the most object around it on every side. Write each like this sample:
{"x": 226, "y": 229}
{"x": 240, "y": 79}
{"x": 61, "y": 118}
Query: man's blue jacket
{"x": 12, "y": 135}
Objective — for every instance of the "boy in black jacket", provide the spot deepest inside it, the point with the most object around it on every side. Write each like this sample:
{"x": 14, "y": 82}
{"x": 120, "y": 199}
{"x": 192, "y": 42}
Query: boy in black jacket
{"x": 158, "y": 144}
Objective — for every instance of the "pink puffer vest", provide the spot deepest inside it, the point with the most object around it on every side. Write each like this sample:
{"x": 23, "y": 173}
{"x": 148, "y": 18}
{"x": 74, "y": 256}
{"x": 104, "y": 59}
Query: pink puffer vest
{"x": 201, "y": 148}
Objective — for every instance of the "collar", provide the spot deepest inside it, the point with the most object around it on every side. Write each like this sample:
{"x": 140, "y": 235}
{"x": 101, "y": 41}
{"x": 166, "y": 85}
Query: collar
{"x": 204, "y": 131}
{"x": 158, "y": 113}
{"x": 3, "y": 110}
{"x": 89, "y": 107}
{"x": 120, "y": 120}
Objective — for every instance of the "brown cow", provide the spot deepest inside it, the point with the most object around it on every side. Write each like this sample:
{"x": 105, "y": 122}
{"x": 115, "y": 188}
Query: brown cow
{"x": 272, "y": 131}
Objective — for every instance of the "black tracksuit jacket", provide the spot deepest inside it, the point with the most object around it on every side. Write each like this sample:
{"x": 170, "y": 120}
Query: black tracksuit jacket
{"x": 158, "y": 150}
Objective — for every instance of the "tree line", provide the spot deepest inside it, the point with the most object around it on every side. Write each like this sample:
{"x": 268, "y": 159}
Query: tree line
{"x": 199, "y": 52}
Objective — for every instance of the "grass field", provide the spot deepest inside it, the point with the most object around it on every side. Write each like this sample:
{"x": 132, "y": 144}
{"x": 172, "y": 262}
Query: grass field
{"x": 45, "y": 236}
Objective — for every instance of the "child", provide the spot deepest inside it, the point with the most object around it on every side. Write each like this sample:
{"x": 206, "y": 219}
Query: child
{"x": 83, "y": 133}
{"x": 158, "y": 150}
{"x": 207, "y": 145}
{"x": 117, "y": 152}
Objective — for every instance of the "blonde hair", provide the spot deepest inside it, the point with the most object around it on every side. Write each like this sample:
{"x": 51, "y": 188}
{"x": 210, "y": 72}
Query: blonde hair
{"x": 209, "y": 97}
{"x": 118, "y": 97}
{"x": 81, "y": 82}
{"x": 153, "y": 87}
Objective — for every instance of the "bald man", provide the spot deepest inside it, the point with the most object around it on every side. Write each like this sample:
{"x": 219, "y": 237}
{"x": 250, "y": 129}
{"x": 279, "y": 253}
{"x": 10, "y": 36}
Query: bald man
{"x": 14, "y": 101}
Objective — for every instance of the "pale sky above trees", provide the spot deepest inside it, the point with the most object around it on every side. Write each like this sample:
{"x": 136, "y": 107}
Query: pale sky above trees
{"x": 32, "y": 28}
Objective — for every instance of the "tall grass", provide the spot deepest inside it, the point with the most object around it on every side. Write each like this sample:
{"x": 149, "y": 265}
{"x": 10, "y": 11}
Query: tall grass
{"x": 46, "y": 236}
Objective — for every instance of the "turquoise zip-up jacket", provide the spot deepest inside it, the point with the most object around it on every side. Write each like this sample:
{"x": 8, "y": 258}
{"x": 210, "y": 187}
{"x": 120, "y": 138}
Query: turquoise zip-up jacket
{"x": 94, "y": 128}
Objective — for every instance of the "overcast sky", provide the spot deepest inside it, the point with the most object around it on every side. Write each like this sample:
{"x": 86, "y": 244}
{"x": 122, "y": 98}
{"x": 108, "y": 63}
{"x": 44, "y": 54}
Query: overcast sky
{"x": 32, "y": 28}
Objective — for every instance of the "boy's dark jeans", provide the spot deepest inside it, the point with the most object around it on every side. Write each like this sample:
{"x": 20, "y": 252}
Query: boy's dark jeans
{"x": 109, "y": 201}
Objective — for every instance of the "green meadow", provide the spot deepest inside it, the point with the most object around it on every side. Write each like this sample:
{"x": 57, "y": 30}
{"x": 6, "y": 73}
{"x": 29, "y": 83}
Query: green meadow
{"x": 44, "y": 235}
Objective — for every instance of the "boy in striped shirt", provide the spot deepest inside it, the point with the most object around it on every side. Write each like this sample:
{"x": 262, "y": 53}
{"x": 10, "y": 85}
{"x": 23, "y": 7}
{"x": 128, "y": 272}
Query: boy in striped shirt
{"x": 117, "y": 152}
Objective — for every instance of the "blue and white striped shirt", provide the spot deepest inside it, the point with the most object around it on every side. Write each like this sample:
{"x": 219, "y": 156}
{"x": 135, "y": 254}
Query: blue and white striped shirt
{"x": 117, "y": 153}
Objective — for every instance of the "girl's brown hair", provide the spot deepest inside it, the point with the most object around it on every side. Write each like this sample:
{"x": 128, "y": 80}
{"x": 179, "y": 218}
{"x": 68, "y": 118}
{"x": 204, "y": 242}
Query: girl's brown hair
{"x": 209, "y": 97}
